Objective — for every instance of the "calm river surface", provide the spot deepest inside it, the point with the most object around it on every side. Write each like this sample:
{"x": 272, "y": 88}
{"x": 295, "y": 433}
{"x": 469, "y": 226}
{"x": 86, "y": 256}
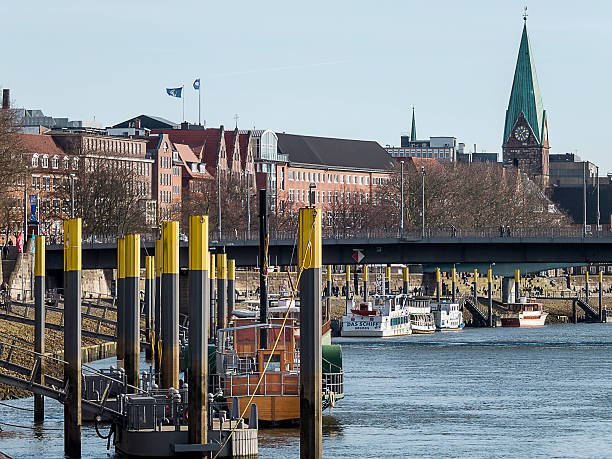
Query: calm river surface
{"x": 477, "y": 393}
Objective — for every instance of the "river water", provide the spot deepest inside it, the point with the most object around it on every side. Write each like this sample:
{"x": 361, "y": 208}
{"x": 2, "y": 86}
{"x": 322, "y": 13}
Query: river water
{"x": 476, "y": 393}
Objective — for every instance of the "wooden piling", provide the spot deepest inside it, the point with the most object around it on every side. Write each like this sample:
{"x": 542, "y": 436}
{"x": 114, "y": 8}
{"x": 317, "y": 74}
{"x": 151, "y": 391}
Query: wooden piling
{"x": 72, "y": 337}
{"x": 39, "y": 323}
{"x": 309, "y": 259}
{"x": 199, "y": 301}
{"x": 170, "y": 304}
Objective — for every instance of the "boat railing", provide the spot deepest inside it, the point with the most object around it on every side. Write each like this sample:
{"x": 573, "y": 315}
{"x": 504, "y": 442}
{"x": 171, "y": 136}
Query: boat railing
{"x": 333, "y": 382}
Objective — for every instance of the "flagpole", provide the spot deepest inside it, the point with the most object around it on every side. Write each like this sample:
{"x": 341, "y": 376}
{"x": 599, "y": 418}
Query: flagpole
{"x": 199, "y": 103}
{"x": 183, "y": 97}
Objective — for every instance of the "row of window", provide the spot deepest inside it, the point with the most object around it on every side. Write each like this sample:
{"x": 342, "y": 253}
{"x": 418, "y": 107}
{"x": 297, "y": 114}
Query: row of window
{"x": 138, "y": 168}
{"x": 332, "y": 197}
{"x": 319, "y": 177}
{"x": 418, "y": 154}
{"x": 47, "y": 183}
{"x": 43, "y": 161}
{"x": 112, "y": 145}
{"x": 165, "y": 196}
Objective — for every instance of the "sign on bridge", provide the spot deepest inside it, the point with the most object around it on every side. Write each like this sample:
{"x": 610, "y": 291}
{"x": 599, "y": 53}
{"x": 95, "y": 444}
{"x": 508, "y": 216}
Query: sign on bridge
{"x": 358, "y": 255}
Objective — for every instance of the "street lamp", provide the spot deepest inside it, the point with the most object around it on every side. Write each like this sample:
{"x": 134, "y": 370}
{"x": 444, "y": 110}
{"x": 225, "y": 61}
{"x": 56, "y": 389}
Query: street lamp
{"x": 423, "y": 202}
{"x": 72, "y": 195}
{"x": 402, "y": 198}
{"x": 311, "y": 194}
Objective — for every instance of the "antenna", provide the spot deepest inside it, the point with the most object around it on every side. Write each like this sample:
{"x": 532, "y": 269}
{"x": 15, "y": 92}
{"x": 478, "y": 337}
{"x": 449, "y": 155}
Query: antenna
{"x": 236, "y": 118}
{"x": 525, "y": 14}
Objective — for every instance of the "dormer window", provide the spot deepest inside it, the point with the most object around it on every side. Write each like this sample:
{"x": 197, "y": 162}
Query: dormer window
{"x": 202, "y": 167}
{"x": 66, "y": 162}
{"x": 35, "y": 160}
{"x": 175, "y": 156}
{"x": 194, "y": 167}
{"x": 75, "y": 163}
{"x": 165, "y": 147}
{"x": 55, "y": 162}
{"x": 44, "y": 162}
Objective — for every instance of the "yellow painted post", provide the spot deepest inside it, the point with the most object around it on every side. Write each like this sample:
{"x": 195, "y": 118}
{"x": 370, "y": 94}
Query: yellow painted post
{"x": 438, "y": 285}
{"x": 221, "y": 290}
{"x": 156, "y": 340}
{"x": 120, "y": 327}
{"x": 347, "y": 287}
{"x": 365, "y": 282}
{"x": 387, "y": 280}
{"x": 170, "y": 303}
{"x": 231, "y": 289}
{"x": 131, "y": 314}
{"x": 490, "y": 293}
{"x": 475, "y": 287}
{"x": 405, "y": 279}
{"x": 517, "y": 285}
{"x": 212, "y": 312}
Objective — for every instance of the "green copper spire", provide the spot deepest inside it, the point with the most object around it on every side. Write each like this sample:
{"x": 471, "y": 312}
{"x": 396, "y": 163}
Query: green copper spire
{"x": 413, "y": 136}
{"x": 525, "y": 96}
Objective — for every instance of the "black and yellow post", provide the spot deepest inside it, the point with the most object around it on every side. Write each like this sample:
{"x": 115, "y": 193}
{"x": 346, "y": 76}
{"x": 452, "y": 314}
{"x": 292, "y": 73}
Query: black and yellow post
{"x": 586, "y": 286}
{"x": 365, "y": 282}
{"x": 405, "y": 280}
{"x": 170, "y": 306}
{"x": 131, "y": 307}
{"x": 454, "y": 285}
{"x": 475, "y": 287}
{"x": 328, "y": 285}
{"x": 600, "y": 291}
{"x": 211, "y": 306}
{"x": 157, "y": 316}
{"x": 119, "y": 329}
{"x": 517, "y": 285}
{"x": 199, "y": 307}
{"x": 39, "y": 323}
{"x": 438, "y": 285}
{"x": 309, "y": 256}
{"x": 231, "y": 289}
{"x": 221, "y": 290}
{"x": 490, "y": 293}
{"x": 347, "y": 285}
{"x": 72, "y": 337}
{"x": 387, "y": 280}
{"x": 149, "y": 295}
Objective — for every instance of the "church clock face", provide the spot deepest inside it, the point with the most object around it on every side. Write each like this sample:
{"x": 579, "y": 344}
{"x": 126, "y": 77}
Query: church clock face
{"x": 521, "y": 133}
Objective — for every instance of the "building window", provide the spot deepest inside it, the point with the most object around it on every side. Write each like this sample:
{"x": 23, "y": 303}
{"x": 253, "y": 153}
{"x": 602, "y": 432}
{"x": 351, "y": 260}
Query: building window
{"x": 329, "y": 197}
{"x": 290, "y": 195}
{"x": 75, "y": 163}
{"x": 44, "y": 161}
{"x": 65, "y": 162}
{"x": 46, "y": 184}
{"x": 35, "y": 183}
{"x": 291, "y": 175}
{"x": 34, "y": 160}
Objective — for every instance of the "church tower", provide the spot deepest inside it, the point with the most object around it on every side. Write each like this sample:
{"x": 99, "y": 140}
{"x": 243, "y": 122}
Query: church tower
{"x": 525, "y": 144}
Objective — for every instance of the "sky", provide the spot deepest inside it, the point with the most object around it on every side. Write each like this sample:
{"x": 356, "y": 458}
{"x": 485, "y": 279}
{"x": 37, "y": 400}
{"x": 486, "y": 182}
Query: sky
{"x": 350, "y": 69}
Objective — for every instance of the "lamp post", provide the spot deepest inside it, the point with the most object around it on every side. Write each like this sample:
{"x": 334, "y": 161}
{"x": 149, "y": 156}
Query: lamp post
{"x": 71, "y": 195}
{"x": 311, "y": 194}
{"x": 423, "y": 202}
{"x": 402, "y": 198}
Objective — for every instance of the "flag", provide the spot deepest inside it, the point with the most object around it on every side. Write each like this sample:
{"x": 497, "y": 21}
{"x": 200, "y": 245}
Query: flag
{"x": 196, "y": 84}
{"x": 174, "y": 92}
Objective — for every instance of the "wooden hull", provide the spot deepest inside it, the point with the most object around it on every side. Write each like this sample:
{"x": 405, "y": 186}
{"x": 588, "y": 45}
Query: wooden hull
{"x": 271, "y": 408}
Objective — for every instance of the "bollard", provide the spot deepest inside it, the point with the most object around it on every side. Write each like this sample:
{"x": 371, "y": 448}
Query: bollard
{"x": 263, "y": 267}
{"x": 600, "y": 291}
{"x": 517, "y": 285}
{"x": 309, "y": 256}
{"x": 347, "y": 285}
{"x": 170, "y": 303}
{"x": 475, "y": 287}
{"x": 365, "y": 283}
{"x": 586, "y": 286}
{"x": 149, "y": 294}
{"x": 119, "y": 328}
{"x": 156, "y": 341}
{"x": 405, "y": 279}
{"x": 199, "y": 302}
{"x": 438, "y": 285}
{"x": 387, "y": 280}
{"x": 72, "y": 337}
{"x": 454, "y": 285}
{"x": 131, "y": 307}
{"x": 211, "y": 310}
{"x": 39, "y": 323}
{"x": 221, "y": 290}
{"x": 490, "y": 293}
{"x": 231, "y": 289}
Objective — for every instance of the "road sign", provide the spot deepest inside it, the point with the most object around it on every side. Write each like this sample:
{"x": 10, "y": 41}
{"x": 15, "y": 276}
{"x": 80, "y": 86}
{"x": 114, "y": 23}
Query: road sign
{"x": 358, "y": 255}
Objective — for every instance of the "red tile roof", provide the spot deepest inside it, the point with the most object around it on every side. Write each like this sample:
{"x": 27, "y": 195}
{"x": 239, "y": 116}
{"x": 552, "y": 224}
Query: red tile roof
{"x": 244, "y": 144}
{"x": 185, "y": 153}
{"x": 204, "y": 142}
{"x": 41, "y": 144}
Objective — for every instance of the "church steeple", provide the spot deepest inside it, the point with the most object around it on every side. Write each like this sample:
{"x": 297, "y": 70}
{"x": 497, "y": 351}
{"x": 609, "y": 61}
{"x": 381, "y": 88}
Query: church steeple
{"x": 525, "y": 97}
{"x": 413, "y": 136}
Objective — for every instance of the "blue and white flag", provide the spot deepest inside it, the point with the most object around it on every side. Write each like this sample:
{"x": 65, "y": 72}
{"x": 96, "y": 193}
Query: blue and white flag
{"x": 196, "y": 84}
{"x": 174, "y": 92}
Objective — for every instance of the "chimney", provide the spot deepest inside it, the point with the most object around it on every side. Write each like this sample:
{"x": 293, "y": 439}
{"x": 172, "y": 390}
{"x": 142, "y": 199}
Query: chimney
{"x": 474, "y": 148}
{"x": 137, "y": 123}
{"x": 6, "y": 98}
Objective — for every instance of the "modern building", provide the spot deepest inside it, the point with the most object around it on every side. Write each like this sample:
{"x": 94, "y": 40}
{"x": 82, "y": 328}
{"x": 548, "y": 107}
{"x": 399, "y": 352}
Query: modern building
{"x": 525, "y": 143}
{"x": 568, "y": 170}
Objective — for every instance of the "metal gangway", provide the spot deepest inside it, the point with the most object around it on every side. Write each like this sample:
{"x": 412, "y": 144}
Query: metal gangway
{"x": 479, "y": 318}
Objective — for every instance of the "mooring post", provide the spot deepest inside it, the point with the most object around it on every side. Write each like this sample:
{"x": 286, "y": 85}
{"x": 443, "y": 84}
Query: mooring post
{"x": 490, "y": 293}
{"x": 156, "y": 341}
{"x": 405, "y": 280}
{"x": 120, "y": 328}
{"x": 517, "y": 285}
{"x": 475, "y": 287}
{"x": 365, "y": 283}
{"x": 328, "y": 280}
{"x": 586, "y": 286}
{"x": 438, "y": 285}
{"x": 131, "y": 316}
{"x": 574, "y": 312}
{"x": 387, "y": 280}
{"x": 199, "y": 309}
{"x": 309, "y": 256}
{"x": 211, "y": 307}
{"x": 263, "y": 267}
{"x": 231, "y": 289}
{"x": 600, "y": 291}
{"x": 39, "y": 323}
{"x": 72, "y": 337}
{"x": 170, "y": 304}
{"x": 347, "y": 282}
{"x": 454, "y": 285}
{"x": 149, "y": 294}
{"x": 221, "y": 290}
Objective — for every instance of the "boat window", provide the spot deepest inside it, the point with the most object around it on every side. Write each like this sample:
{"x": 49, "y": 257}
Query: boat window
{"x": 275, "y": 362}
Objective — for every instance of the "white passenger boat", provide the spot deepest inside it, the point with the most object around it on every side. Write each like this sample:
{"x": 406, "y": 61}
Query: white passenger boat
{"x": 447, "y": 316}
{"x": 421, "y": 318}
{"x": 525, "y": 313}
{"x": 387, "y": 316}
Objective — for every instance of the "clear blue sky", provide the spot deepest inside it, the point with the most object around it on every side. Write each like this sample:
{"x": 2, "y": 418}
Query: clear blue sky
{"x": 330, "y": 68}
